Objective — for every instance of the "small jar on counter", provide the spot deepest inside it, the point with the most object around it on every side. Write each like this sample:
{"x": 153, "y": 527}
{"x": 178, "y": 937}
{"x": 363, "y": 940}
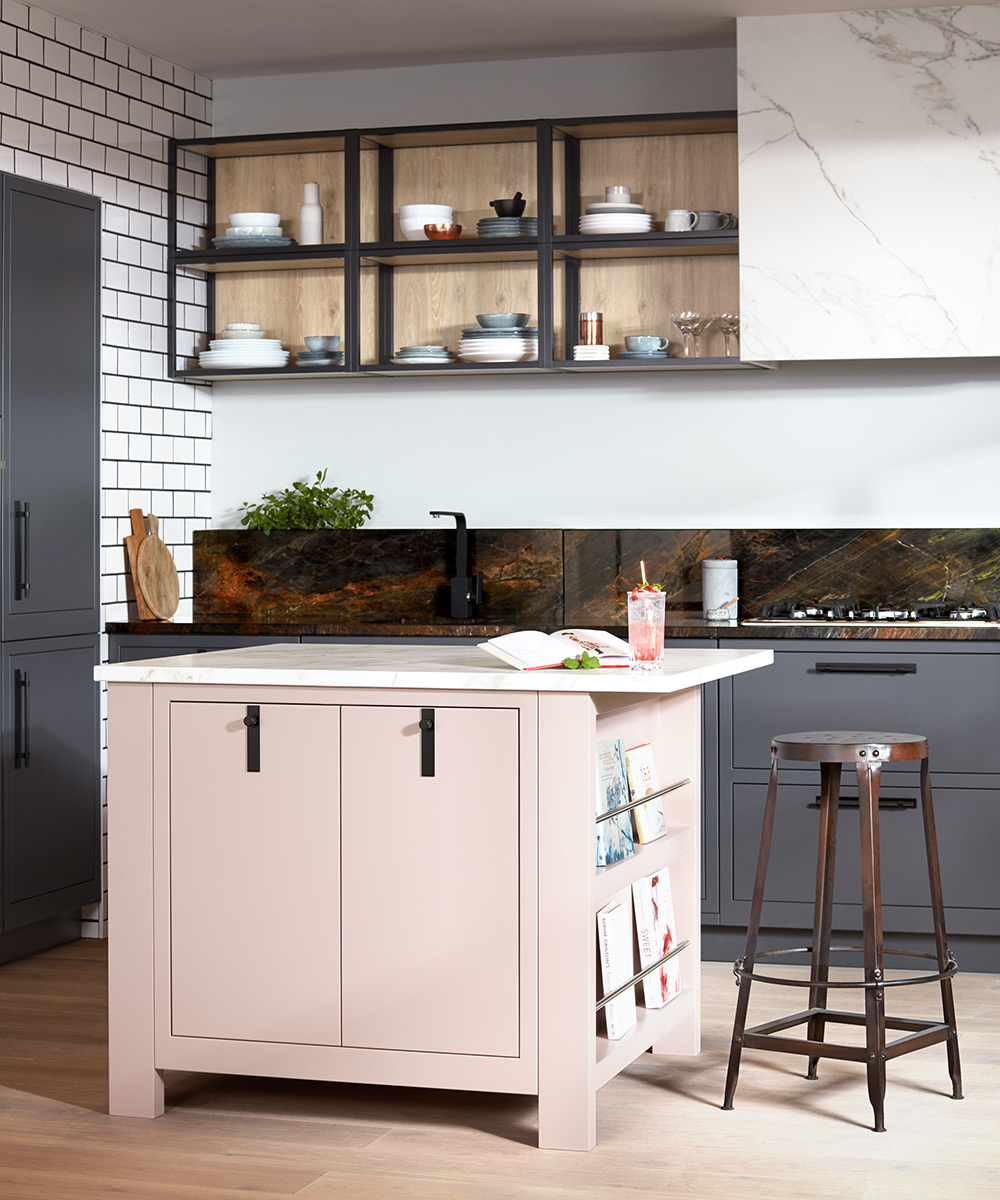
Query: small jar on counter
{"x": 591, "y": 329}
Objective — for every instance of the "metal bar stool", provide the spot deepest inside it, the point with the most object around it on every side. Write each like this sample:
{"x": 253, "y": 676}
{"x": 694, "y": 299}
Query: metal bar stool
{"x": 867, "y": 751}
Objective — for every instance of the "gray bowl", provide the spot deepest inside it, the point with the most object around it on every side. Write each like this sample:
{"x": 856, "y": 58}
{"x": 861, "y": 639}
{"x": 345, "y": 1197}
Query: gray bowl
{"x": 503, "y": 320}
{"x": 322, "y": 343}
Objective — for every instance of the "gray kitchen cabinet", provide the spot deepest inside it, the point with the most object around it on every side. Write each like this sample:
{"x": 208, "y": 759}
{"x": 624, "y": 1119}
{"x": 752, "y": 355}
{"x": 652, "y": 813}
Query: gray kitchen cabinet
{"x": 947, "y": 691}
{"x": 50, "y": 322}
{"x": 50, "y": 268}
{"x": 51, "y": 779}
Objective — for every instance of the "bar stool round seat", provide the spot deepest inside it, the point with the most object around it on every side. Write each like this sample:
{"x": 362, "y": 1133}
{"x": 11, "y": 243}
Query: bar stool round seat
{"x": 866, "y": 751}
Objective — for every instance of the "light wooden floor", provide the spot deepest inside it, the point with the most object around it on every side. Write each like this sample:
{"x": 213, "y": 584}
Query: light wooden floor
{"x": 660, "y": 1129}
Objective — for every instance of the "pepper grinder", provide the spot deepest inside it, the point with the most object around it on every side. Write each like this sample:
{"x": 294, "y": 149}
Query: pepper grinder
{"x": 310, "y": 216}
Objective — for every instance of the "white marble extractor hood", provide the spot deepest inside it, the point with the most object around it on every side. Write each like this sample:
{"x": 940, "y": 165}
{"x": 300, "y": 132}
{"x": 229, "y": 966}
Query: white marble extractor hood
{"x": 870, "y": 184}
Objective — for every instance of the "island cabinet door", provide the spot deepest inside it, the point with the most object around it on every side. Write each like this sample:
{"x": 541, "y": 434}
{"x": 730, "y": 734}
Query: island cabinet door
{"x": 430, "y": 873}
{"x": 253, "y": 865}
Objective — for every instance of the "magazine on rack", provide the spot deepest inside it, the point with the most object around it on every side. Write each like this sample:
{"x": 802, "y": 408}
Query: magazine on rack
{"x": 532, "y": 650}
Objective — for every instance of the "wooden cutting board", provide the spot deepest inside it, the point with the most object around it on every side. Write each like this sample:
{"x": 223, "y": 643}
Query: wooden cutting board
{"x": 155, "y": 574}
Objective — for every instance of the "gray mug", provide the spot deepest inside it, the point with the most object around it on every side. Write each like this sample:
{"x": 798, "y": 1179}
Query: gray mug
{"x": 645, "y": 344}
{"x": 711, "y": 218}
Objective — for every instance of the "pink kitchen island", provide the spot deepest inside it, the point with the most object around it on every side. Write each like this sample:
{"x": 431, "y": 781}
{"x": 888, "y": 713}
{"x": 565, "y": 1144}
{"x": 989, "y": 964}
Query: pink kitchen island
{"x": 375, "y": 864}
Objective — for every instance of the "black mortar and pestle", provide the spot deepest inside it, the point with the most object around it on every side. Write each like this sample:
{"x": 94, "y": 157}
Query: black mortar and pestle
{"x": 509, "y": 208}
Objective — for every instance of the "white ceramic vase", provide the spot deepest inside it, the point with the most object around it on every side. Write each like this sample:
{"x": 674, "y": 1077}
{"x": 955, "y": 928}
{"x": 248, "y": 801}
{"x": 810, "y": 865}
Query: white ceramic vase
{"x": 310, "y": 216}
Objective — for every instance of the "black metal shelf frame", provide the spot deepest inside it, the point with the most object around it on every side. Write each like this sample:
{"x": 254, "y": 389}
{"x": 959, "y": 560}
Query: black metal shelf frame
{"x": 386, "y": 255}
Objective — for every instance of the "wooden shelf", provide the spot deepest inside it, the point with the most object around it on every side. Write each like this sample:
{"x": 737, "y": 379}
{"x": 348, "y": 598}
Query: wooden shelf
{"x": 380, "y": 292}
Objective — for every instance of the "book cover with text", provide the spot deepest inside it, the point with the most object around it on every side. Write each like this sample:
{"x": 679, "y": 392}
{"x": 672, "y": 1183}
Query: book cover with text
{"x": 614, "y": 836}
{"x": 655, "y": 932}
{"x": 640, "y": 765}
{"x": 614, "y": 940}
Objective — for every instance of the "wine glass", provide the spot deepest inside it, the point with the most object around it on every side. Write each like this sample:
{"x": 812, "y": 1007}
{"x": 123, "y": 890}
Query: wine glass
{"x": 686, "y": 322}
{"x": 729, "y": 325}
{"x": 701, "y": 325}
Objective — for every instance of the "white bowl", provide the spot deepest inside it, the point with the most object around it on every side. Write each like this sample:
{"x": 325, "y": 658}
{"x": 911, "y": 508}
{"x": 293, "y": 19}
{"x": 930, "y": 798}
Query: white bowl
{"x": 420, "y": 210}
{"x": 255, "y": 218}
{"x": 253, "y": 231}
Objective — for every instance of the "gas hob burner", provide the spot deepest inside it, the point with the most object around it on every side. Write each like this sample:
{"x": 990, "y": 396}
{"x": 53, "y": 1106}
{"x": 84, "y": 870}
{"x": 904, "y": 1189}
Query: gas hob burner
{"x": 865, "y": 612}
{"x": 949, "y": 610}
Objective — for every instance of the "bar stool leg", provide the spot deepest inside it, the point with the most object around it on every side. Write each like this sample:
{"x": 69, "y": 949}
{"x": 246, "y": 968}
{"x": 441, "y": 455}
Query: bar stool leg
{"x": 871, "y": 914}
{"x": 753, "y": 931}
{"x": 940, "y": 938}
{"x": 823, "y": 909}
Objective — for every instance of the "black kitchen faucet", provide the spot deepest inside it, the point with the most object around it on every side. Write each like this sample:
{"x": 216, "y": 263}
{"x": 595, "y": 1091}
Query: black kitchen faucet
{"x": 466, "y": 589}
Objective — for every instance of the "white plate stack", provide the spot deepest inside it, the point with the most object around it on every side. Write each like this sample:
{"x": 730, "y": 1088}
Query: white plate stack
{"x": 516, "y": 344}
{"x": 591, "y": 353}
{"x": 241, "y": 345}
{"x": 616, "y": 214}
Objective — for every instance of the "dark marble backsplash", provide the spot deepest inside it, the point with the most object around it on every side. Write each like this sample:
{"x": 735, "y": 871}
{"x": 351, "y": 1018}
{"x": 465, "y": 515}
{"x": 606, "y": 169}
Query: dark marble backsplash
{"x": 554, "y": 577}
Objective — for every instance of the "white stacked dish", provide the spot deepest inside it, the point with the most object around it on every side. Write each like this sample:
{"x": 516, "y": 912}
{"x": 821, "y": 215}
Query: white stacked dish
{"x": 515, "y": 343}
{"x": 244, "y": 352}
{"x": 413, "y": 355}
{"x": 616, "y": 222}
{"x": 598, "y": 353}
{"x": 413, "y": 218}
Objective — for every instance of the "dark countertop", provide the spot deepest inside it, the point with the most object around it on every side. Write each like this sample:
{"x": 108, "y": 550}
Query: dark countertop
{"x": 677, "y": 627}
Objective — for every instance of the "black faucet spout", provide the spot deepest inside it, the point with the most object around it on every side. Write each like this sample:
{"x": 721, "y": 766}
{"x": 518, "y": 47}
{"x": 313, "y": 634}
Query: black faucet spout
{"x": 466, "y": 589}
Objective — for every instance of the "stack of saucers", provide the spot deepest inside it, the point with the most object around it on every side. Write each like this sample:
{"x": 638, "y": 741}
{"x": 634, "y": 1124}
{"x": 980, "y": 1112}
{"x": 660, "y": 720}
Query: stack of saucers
{"x": 615, "y": 216}
{"x": 591, "y": 353}
{"x": 646, "y": 355}
{"x": 243, "y": 352}
{"x": 253, "y": 231}
{"x": 493, "y": 227}
{"x": 423, "y": 354}
{"x": 515, "y": 343}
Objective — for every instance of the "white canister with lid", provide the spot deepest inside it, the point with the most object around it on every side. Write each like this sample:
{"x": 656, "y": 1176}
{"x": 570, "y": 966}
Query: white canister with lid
{"x": 719, "y": 588}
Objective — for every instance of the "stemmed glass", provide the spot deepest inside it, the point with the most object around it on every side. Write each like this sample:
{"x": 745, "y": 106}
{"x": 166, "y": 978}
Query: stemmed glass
{"x": 729, "y": 325}
{"x": 700, "y": 326}
{"x": 686, "y": 322}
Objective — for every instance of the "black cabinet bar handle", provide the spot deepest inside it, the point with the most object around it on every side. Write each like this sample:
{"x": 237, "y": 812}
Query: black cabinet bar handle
{"x": 855, "y": 802}
{"x": 22, "y": 582}
{"x": 252, "y": 722}
{"x": 865, "y": 668}
{"x": 22, "y": 720}
{"x": 426, "y": 724}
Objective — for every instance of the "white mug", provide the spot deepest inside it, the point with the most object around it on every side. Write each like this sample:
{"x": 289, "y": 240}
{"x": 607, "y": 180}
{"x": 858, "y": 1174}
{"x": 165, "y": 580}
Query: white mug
{"x": 679, "y": 220}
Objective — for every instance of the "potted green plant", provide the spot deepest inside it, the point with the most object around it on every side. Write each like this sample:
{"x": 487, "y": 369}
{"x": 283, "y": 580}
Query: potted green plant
{"x": 309, "y": 506}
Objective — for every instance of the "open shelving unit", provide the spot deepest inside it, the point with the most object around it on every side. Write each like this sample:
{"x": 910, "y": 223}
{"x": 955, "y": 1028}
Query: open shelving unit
{"x": 380, "y": 291}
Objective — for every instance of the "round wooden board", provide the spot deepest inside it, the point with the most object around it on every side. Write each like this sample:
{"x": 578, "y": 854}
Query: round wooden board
{"x": 156, "y": 577}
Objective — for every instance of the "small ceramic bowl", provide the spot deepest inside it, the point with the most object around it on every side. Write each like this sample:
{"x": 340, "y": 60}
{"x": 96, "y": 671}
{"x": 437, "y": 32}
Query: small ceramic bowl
{"x": 503, "y": 320}
{"x": 440, "y": 233}
{"x": 254, "y": 218}
{"x": 325, "y": 342}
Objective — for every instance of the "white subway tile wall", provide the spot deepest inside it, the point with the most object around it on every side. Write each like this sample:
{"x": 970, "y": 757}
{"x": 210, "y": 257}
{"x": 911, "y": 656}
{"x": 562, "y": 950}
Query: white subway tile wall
{"x": 82, "y": 110}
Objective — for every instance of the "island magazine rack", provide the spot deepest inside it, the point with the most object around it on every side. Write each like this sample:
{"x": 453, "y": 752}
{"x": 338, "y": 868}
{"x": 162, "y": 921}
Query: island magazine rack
{"x": 380, "y": 292}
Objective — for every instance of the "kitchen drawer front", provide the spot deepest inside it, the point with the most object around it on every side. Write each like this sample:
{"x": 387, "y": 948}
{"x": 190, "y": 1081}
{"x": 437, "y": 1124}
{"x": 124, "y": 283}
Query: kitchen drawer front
{"x": 968, "y": 832}
{"x": 952, "y": 699}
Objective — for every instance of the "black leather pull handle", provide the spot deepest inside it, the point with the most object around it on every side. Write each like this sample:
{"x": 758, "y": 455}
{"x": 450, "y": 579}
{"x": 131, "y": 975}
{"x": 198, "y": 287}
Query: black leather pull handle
{"x": 22, "y": 584}
{"x": 426, "y": 742}
{"x": 252, "y": 722}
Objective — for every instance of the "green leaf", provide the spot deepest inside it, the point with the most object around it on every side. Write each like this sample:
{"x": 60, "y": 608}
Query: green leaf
{"x": 572, "y": 663}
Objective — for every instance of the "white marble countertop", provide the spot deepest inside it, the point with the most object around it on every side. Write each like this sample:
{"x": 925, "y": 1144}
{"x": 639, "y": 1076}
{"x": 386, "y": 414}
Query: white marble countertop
{"x": 432, "y": 667}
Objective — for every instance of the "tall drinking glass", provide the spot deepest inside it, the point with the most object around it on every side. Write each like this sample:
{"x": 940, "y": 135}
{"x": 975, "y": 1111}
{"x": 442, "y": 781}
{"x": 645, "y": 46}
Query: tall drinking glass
{"x": 645, "y": 630}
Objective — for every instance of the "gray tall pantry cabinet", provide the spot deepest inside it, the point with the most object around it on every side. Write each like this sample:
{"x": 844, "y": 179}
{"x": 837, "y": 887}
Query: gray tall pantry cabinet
{"x": 50, "y": 267}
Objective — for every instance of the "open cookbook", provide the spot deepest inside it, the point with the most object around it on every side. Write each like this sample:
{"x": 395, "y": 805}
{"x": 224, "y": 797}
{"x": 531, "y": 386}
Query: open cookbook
{"x": 531, "y": 650}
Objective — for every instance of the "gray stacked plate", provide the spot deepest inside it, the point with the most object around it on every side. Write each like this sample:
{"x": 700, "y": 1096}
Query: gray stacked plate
{"x": 319, "y": 358}
{"x": 251, "y": 242}
{"x": 508, "y": 227}
{"x": 652, "y": 356}
{"x": 423, "y": 354}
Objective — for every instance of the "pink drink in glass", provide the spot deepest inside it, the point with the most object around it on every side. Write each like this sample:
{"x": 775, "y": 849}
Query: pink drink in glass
{"x": 645, "y": 630}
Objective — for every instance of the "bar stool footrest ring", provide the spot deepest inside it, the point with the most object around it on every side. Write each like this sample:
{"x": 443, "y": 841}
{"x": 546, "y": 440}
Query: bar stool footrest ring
{"x": 741, "y": 972}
